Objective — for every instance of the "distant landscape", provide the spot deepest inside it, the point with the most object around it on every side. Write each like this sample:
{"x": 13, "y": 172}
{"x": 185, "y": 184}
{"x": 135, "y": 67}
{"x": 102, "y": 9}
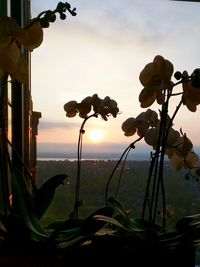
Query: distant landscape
{"x": 49, "y": 151}
{"x": 182, "y": 195}
{"x": 91, "y": 151}
{"x": 91, "y": 155}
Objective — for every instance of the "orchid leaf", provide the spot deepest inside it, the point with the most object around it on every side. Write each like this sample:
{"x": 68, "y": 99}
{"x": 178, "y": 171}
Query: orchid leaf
{"x": 44, "y": 196}
{"x": 107, "y": 219}
{"x": 90, "y": 225}
{"x": 61, "y": 226}
{"x": 23, "y": 205}
{"x": 69, "y": 243}
{"x": 186, "y": 222}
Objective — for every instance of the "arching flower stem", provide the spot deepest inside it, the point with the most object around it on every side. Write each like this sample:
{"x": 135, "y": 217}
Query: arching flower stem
{"x": 121, "y": 172}
{"x": 126, "y": 151}
{"x": 79, "y": 157}
{"x": 160, "y": 178}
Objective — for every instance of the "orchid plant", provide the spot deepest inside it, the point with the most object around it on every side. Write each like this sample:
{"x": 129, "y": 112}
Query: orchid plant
{"x": 149, "y": 233}
{"x": 157, "y": 130}
{"x": 20, "y": 225}
{"x": 89, "y": 107}
{"x": 13, "y": 38}
{"x": 14, "y": 42}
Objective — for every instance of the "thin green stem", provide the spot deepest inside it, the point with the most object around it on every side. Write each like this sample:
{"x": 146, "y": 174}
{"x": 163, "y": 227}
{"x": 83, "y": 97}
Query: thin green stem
{"x": 121, "y": 172}
{"x": 79, "y": 160}
{"x": 152, "y": 179}
{"x": 157, "y": 164}
{"x": 155, "y": 177}
{"x": 131, "y": 146}
{"x": 160, "y": 182}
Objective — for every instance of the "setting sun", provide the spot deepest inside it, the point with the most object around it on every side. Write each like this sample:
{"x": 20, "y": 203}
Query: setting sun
{"x": 97, "y": 135}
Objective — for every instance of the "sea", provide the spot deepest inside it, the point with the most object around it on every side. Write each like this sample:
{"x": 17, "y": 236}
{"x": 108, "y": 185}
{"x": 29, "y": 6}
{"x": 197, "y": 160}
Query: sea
{"x": 45, "y": 156}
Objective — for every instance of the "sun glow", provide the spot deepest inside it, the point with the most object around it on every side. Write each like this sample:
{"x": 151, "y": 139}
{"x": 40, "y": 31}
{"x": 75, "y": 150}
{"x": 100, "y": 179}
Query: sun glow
{"x": 97, "y": 135}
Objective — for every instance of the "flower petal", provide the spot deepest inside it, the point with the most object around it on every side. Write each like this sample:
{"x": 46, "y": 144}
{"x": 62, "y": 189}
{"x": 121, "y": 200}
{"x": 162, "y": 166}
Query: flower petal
{"x": 128, "y": 127}
{"x": 32, "y": 36}
{"x": 146, "y": 74}
{"x": 151, "y": 137}
{"x": 146, "y": 98}
{"x": 13, "y": 62}
{"x": 176, "y": 162}
{"x": 191, "y": 160}
{"x": 71, "y": 108}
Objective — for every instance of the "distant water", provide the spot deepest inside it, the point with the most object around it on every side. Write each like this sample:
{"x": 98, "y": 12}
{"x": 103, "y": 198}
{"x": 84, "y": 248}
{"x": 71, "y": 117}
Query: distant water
{"x": 73, "y": 159}
{"x": 91, "y": 156}
{"x": 53, "y": 159}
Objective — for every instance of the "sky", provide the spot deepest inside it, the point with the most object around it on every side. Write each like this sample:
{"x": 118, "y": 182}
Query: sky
{"x": 102, "y": 50}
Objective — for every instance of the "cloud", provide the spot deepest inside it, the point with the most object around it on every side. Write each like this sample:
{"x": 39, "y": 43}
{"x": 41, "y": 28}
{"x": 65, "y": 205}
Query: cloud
{"x": 102, "y": 50}
{"x": 53, "y": 147}
{"x": 119, "y": 20}
{"x": 50, "y": 125}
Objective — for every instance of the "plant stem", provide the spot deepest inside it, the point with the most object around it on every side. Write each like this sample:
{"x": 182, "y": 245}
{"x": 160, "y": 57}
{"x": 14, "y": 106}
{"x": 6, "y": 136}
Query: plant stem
{"x": 121, "y": 172}
{"x": 149, "y": 198}
{"x": 160, "y": 181}
{"x": 126, "y": 151}
{"x": 156, "y": 177}
{"x": 78, "y": 174}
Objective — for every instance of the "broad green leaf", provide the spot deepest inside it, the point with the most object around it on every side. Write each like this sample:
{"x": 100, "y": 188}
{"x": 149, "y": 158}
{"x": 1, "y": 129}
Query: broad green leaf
{"x": 91, "y": 225}
{"x": 123, "y": 217}
{"x": 171, "y": 239}
{"x": 107, "y": 219}
{"x": 44, "y": 196}
{"x": 69, "y": 243}
{"x": 186, "y": 222}
{"x": 69, "y": 234}
{"x": 61, "y": 226}
{"x": 23, "y": 205}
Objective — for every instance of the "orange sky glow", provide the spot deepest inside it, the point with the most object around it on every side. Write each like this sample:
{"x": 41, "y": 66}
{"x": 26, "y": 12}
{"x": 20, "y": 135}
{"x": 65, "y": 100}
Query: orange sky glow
{"x": 102, "y": 50}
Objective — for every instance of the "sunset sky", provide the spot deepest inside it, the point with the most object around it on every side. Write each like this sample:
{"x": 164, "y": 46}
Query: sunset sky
{"x": 102, "y": 50}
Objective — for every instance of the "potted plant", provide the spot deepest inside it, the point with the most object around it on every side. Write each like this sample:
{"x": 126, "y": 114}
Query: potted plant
{"x": 24, "y": 240}
{"x": 147, "y": 239}
{"x": 110, "y": 234}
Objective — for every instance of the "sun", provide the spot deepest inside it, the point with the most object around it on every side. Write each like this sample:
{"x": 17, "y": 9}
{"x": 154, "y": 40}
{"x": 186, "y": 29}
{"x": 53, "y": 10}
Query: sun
{"x": 97, "y": 135}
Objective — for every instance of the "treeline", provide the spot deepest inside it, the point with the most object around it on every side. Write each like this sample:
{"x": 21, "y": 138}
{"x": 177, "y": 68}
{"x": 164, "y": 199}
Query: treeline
{"x": 182, "y": 195}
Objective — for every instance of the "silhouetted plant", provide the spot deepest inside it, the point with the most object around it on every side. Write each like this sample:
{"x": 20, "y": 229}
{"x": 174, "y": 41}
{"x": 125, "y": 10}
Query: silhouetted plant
{"x": 91, "y": 106}
{"x": 157, "y": 130}
{"x": 21, "y": 230}
{"x": 110, "y": 229}
{"x": 13, "y": 65}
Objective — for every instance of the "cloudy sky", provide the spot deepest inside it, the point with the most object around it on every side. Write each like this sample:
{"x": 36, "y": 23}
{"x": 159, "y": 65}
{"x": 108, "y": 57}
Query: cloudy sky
{"x": 102, "y": 50}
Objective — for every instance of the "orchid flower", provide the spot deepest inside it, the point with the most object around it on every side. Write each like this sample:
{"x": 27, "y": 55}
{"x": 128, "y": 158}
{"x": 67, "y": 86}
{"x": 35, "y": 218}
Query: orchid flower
{"x": 12, "y": 39}
{"x": 155, "y": 77}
